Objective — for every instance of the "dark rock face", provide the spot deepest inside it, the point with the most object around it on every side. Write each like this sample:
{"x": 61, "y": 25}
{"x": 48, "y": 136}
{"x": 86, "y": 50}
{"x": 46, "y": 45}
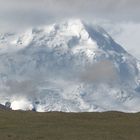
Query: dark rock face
{"x": 2, "y": 107}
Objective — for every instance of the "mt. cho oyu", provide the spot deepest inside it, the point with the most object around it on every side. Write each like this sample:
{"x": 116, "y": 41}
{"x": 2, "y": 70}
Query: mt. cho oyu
{"x": 70, "y": 66}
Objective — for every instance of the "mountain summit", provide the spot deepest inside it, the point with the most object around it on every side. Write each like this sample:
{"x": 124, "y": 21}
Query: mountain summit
{"x": 69, "y": 66}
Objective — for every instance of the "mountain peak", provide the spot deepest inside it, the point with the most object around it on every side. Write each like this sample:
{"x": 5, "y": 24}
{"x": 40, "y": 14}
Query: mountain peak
{"x": 84, "y": 32}
{"x": 73, "y": 27}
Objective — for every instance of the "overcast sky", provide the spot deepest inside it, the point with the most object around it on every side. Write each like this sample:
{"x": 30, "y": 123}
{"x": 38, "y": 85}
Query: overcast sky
{"x": 31, "y": 11}
{"x": 119, "y": 17}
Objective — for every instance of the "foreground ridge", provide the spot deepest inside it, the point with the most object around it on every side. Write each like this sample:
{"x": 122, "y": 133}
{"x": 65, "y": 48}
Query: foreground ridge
{"x": 71, "y": 125}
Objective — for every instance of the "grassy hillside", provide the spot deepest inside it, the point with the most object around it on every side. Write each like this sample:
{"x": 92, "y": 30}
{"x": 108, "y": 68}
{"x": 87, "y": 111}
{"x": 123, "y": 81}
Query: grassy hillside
{"x": 18, "y": 125}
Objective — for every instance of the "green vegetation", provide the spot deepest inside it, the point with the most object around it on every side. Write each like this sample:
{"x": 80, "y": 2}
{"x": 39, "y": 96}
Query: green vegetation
{"x": 19, "y": 125}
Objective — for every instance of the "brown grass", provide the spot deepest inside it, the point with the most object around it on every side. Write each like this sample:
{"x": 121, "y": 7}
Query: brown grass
{"x": 18, "y": 125}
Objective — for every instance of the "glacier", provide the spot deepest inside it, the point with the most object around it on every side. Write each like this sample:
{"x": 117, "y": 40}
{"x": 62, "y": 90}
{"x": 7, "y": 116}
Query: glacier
{"x": 69, "y": 66}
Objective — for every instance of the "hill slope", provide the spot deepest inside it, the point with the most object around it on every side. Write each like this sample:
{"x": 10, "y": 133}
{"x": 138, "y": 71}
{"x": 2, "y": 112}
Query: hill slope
{"x": 69, "y": 126}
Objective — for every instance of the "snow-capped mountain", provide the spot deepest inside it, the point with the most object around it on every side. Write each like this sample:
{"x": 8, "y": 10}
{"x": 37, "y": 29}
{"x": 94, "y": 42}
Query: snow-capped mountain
{"x": 69, "y": 66}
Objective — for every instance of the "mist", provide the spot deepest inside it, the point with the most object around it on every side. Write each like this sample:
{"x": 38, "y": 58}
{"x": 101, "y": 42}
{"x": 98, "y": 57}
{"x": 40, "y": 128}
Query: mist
{"x": 100, "y": 72}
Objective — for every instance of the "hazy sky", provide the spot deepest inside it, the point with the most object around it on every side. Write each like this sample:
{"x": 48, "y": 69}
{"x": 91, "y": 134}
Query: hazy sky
{"x": 122, "y": 16}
